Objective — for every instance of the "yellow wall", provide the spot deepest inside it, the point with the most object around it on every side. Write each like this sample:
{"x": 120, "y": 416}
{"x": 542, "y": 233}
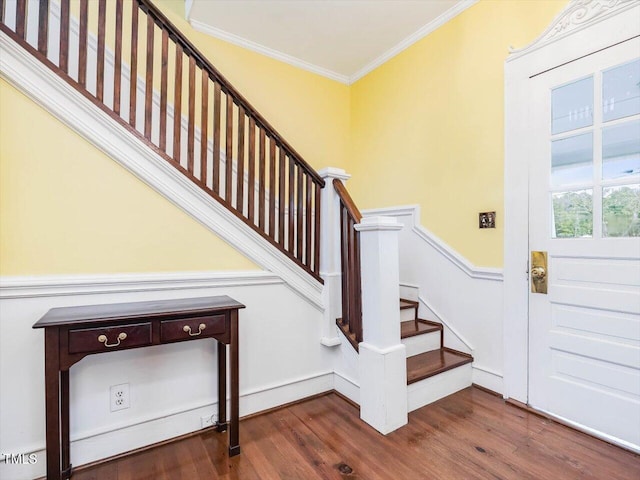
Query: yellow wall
{"x": 67, "y": 208}
{"x": 427, "y": 126}
{"x": 311, "y": 112}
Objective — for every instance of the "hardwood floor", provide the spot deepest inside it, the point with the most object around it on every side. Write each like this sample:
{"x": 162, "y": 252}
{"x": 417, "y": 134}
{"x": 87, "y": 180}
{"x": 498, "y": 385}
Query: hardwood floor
{"x": 469, "y": 435}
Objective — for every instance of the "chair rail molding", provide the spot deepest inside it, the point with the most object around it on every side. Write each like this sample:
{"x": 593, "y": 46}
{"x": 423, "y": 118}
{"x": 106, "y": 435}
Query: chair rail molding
{"x": 473, "y": 271}
{"x": 42, "y": 85}
{"x": 57, "y": 285}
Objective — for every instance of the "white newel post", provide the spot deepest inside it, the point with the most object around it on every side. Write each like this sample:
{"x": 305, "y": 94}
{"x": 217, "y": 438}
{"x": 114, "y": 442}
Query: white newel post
{"x": 383, "y": 368}
{"x": 330, "y": 261}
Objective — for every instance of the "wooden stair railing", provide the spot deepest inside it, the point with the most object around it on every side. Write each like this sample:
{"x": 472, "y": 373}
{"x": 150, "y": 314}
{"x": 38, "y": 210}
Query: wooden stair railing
{"x": 351, "y": 321}
{"x": 227, "y": 148}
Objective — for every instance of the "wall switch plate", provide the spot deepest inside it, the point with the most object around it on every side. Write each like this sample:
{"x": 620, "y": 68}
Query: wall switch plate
{"x": 119, "y": 397}
{"x": 208, "y": 420}
{"x": 487, "y": 220}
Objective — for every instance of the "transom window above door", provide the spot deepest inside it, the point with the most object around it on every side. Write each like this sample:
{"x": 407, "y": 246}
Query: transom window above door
{"x": 595, "y": 155}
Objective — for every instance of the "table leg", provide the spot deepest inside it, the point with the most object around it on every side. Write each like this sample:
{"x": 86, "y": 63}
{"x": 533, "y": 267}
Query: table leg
{"x": 221, "y": 424}
{"x": 234, "y": 437}
{"x": 64, "y": 421}
{"x": 52, "y": 394}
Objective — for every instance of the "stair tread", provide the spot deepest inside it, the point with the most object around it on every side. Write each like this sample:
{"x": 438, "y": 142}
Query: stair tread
{"x": 431, "y": 363}
{"x": 408, "y": 328}
{"x": 404, "y": 303}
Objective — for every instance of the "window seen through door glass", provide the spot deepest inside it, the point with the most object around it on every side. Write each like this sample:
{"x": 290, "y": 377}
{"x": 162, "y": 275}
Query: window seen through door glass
{"x": 572, "y": 160}
{"x": 572, "y": 214}
{"x": 621, "y": 91}
{"x": 572, "y": 106}
{"x": 621, "y": 211}
{"x": 621, "y": 151}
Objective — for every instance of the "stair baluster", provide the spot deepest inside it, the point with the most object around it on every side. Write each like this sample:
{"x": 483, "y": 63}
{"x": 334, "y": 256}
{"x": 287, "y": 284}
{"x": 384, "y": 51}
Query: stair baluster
{"x": 190, "y": 81}
{"x": 351, "y": 321}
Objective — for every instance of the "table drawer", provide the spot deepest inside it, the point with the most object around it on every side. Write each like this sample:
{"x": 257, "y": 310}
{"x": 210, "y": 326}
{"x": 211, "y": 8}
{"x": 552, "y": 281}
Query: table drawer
{"x": 194, "y": 327}
{"x": 118, "y": 337}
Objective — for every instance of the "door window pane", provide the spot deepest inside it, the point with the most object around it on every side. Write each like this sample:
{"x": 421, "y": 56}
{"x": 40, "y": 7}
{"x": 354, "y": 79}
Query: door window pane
{"x": 572, "y": 214}
{"x": 621, "y": 150}
{"x": 572, "y": 106}
{"x": 621, "y": 91}
{"x": 621, "y": 211}
{"x": 572, "y": 160}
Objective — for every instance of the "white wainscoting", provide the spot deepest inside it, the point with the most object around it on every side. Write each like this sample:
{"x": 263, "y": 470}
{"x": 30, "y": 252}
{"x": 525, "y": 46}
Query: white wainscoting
{"x": 172, "y": 386}
{"x": 466, "y": 299}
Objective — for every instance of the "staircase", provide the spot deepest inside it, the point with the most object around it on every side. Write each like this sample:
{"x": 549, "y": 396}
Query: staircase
{"x": 433, "y": 370}
{"x": 185, "y": 113}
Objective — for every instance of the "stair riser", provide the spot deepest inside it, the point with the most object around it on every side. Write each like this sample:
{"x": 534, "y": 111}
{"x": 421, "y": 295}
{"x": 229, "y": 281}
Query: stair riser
{"x": 410, "y": 292}
{"x": 407, "y": 314}
{"x": 439, "y": 386}
{"x": 422, "y": 343}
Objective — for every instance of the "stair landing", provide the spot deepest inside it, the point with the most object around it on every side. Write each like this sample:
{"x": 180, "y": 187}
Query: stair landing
{"x": 431, "y": 363}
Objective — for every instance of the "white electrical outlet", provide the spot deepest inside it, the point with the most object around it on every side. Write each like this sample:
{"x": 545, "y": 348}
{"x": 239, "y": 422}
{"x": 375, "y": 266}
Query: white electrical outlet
{"x": 208, "y": 420}
{"x": 119, "y": 397}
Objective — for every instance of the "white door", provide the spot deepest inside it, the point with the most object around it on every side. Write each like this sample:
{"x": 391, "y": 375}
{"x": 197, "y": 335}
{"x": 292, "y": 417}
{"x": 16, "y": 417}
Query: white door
{"x": 584, "y": 211}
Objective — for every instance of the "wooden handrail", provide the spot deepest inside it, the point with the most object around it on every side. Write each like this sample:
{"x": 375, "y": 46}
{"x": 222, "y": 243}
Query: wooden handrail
{"x": 351, "y": 321}
{"x": 346, "y": 200}
{"x": 189, "y": 49}
{"x": 215, "y": 135}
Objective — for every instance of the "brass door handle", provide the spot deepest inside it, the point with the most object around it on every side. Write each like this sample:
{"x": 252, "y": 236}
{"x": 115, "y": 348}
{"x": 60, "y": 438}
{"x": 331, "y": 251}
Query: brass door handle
{"x": 539, "y": 272}
{"x": 104, "y": 339}
{"x": 187, "y": 329}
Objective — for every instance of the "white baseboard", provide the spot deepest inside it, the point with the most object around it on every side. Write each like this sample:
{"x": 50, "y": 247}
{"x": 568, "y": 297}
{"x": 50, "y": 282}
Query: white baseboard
{"x": 347, "y": 387}
{"x": 95, "y": 446}
{"x": 487, "y": 378}
{"x": 264, "y": 398}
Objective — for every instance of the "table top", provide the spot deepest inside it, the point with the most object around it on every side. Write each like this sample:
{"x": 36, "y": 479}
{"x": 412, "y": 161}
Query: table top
{"x": 135, "y": 310}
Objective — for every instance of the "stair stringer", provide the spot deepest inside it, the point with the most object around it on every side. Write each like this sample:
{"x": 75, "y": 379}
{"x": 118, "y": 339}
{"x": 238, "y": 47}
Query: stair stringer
{"x": 29, "y": 75}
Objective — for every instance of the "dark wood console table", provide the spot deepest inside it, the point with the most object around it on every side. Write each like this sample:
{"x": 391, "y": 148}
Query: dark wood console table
{"x": 71, "y": 333}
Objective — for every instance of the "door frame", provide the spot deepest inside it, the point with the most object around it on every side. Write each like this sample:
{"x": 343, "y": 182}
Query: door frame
{"x": 582, "y": 28}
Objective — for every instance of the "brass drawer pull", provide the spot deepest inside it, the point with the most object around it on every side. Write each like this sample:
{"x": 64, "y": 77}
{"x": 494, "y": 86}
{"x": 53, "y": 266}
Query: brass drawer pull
{"x": 187, "y": 329}
{"x": 103, "y": 339}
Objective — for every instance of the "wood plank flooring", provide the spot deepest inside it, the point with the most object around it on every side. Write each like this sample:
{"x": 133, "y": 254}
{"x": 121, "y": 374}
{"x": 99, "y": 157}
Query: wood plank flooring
{"x": 469, "y": 435}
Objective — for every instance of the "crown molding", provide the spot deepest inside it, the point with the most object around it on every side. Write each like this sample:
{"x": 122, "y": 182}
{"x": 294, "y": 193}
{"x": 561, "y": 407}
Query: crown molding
{"x": 436, "y": 23}
{"x": 269, "y": 52}
{"x": 577, "y": 15}
{"x": 425, "y": 30}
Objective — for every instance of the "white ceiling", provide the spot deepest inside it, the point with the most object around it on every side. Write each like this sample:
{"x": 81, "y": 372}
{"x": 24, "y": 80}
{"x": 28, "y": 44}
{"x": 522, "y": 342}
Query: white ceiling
{"x": 340, "y": 39}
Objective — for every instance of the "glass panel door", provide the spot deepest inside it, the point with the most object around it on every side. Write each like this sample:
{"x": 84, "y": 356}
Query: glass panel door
{"x": 595, "y": 155}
